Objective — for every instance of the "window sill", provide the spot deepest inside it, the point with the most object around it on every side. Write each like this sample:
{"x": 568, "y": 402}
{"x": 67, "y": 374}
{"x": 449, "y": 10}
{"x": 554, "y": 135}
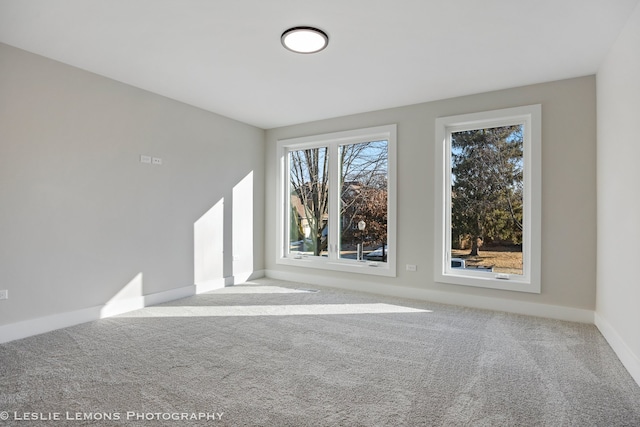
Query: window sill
{"x": 514, "y": 283}
{"x": 372, "y": 268}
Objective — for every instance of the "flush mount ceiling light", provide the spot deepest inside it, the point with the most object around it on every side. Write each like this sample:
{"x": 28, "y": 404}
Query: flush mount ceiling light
{"x": 304, "y": 39}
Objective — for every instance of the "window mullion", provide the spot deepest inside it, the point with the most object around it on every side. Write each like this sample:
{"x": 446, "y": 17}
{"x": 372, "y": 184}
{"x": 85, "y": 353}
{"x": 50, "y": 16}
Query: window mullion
{"x": 286, "y": 203}
{"x": 334, "y": 203}
{"x": 447, "y": 212}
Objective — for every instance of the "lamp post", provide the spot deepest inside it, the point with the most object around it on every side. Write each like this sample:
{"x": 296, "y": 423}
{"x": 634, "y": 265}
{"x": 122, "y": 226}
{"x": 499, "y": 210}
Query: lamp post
{"x": 361, "y": 226}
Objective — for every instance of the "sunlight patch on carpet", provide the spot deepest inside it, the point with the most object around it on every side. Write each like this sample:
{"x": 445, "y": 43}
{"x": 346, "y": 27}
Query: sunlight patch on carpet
{"x": 271, "y": 310}
{"x": 243, "y": 289}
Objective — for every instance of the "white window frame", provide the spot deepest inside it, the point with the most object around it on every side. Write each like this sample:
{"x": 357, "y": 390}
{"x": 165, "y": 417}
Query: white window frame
{"x": 333, "y": 261}
{"x": 530, "y": 116}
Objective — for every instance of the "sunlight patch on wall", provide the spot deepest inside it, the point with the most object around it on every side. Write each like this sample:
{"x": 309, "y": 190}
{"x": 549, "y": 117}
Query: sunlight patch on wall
{"x": 127, "y": 299}
{"x": 272, "y": 310}
{"x": 208, "y": 245}
{"x": 242, "y": 229}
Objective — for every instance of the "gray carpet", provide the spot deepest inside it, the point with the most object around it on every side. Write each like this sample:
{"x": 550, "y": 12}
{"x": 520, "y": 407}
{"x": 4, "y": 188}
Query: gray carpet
{"x": 273, "y": 353}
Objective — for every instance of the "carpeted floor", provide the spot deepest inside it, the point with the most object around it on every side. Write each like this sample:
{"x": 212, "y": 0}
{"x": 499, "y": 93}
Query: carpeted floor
{"x": 272, "y": 353}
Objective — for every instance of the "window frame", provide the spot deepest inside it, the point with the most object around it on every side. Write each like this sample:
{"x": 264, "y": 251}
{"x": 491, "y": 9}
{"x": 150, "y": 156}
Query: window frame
{"x": 333, "y": 261}
{"x": 530, "y": 281}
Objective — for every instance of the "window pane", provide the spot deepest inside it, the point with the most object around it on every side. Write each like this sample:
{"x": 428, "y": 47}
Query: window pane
{"x": 363, "y": 200}
{"x": 487, "y": 199}
{"x": 309, "y": 198}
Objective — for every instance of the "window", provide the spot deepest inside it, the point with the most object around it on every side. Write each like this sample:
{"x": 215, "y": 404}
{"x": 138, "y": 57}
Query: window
{"x": 488, "y": 208}
{"x": 337, "y": 201}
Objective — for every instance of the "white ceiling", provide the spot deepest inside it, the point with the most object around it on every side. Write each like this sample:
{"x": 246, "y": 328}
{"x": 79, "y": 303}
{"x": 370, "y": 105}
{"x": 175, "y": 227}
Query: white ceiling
{"x": 225, "y": 56}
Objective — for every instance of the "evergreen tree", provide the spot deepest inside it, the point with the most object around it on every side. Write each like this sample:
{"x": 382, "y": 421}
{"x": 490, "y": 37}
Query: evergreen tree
{"x": 487, "y": 185}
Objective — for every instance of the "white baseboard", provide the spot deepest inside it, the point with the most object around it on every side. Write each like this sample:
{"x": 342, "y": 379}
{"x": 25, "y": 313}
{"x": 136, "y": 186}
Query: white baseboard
{"x": 630, "y": 360}
{"x": 113, "y": 308}
{"x": 40, "y": 325}
{"x": 27, "y": 328}
{"x": 170, "y": 295}
{"x": 210, "y": 285}
{"x": 487, "y": 303}
{"x": 247, "y": 276}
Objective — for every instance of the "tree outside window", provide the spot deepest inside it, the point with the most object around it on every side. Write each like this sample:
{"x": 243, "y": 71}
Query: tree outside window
{"x": 487, "y": 191}
{"x": 363, "y": 197}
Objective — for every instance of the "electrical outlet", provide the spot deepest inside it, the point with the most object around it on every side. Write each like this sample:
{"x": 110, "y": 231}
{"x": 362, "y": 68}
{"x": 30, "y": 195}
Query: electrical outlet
{"x": 4, "y": 294}
{"x": 157, "y": 161}
{"x": 411, "y": 267}
{"x": 145, "y": 159}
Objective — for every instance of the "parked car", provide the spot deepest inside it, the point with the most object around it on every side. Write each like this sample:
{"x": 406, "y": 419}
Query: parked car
{"x": 460, "y": 263}
{"x": 377, "y": 254}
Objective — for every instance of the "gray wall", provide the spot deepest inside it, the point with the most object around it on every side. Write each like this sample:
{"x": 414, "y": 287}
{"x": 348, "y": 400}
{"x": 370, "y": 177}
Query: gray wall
{"x": 81, "y": 217}
{"x": 568, "y": 190}
{"x": 618, "y": 301}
